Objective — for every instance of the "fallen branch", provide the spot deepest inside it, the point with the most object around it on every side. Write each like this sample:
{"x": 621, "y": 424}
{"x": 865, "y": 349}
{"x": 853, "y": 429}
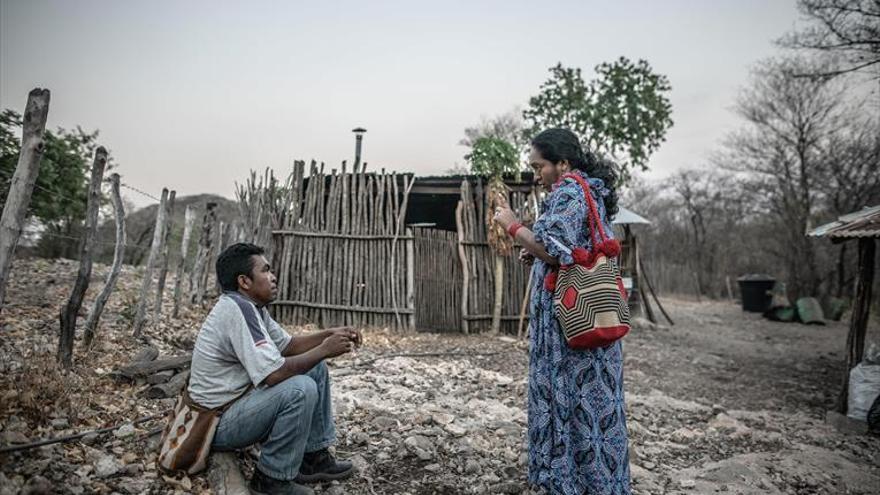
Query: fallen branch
{"x": 145, "y": 354}
{"x": 135, "y": 370}
{"x": 49, "y": 441}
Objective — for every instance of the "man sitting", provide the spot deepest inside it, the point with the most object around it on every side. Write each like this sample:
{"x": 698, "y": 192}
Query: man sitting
{"x": 288, "y": 410}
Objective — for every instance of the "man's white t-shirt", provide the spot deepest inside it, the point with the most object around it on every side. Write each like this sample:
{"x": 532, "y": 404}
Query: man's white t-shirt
{"x": 239, "y": 345}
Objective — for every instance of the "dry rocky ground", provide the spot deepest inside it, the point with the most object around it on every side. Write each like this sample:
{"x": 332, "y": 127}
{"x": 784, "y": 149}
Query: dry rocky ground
{"x": 722, "y": 402}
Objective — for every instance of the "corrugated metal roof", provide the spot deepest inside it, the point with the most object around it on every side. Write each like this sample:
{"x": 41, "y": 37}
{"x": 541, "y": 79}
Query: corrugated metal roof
{"x": 625, "y": 217}
{"x": 863, "y": 223}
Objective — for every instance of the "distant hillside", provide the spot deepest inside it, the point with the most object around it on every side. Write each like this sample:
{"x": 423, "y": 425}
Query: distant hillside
{"x": 139, "y": 226}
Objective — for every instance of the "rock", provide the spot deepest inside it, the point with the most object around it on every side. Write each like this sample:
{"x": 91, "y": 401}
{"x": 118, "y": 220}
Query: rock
{"x": 335, "y": 490}
{"x": 385, "y": 423}
{"x": 418, "y": 442}
{"x": 360, "y": 463}
{"x": 132, "y": 469}
{"x": 471, "y": 466}
{"x": 727, "y": 424}
{"x": 89, "y": 439}
{"x": 10, "y": 437}
{"x": 455, "y": 430}
{"x": 135, "y": 486}
{"x": 442, "y": 419}
{"x": 107, "y": 466}
{"x": 507, "y": 428}
{"x": 433, "y": 468}
{"x": 7, "y": 487}
{"x": 37, "y": 485}
{"x": 507, "y": 487}
{"x": 420, "y": 446}
{"x": 687, "y": 484}
{"x": 125, "y": 431}
{"x": 60, "y": 423}
{"x": 645, "y": 481}
{"x": 359, "y": 437}
{"x": 686, "y": 434}
{"x": 491, "y": 479}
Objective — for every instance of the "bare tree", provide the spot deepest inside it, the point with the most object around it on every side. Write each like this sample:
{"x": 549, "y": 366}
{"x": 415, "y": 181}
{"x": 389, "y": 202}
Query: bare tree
{"x": 710, "y": 206}
{"x": 507, "y": 126}
{"x": 790, "y": 122}
{"x": 847, "y": 30}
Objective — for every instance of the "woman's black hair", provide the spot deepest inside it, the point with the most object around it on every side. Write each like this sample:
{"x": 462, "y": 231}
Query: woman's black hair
{"x": 557, "y": 144}
{"x": 234, "y": 261}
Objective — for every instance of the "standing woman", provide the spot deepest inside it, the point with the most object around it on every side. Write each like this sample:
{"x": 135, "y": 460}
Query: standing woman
{"x": 577, "y": 425}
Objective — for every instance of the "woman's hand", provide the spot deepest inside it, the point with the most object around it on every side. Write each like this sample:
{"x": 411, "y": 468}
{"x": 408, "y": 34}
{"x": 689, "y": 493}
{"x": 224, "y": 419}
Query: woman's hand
{"x": 505, "y": 217}
{"x": 525, "y": 257}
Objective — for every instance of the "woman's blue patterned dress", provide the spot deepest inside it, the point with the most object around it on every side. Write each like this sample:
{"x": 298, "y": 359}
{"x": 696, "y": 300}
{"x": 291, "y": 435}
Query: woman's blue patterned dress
{"x": 577, "y": 425}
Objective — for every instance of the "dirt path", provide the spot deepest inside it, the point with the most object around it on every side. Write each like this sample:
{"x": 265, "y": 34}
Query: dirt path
{"x": 722, "y": 402}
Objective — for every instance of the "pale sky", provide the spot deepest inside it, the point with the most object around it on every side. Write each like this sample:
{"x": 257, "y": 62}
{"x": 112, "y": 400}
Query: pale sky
{"x": 193, "y": 94}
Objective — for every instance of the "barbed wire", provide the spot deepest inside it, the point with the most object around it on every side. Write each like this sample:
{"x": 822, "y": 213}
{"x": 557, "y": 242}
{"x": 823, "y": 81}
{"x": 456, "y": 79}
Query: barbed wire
{"x": 123, "y": 184}
{"x": 44, "y": 189}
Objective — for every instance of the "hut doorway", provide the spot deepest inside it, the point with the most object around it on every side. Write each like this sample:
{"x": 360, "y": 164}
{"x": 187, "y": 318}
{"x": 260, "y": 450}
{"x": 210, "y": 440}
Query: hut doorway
{"x": 437, "y": 275}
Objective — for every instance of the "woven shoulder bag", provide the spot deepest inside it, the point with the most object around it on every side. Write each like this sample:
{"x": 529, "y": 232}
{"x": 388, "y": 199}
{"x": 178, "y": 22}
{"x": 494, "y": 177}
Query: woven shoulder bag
{"x": 589, "y": 298}
{"x": 186, "y": 440}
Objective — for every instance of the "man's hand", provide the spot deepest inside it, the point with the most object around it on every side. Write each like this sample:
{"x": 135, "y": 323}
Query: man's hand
{"x": 337, "y": 344}
{"x": 352, "y": 334}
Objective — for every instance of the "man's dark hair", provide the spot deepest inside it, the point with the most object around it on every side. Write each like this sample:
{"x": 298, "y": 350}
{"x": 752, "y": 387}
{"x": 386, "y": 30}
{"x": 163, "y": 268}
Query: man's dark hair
{"x": 234, "y": 261}
{"x": 556, "y": 145}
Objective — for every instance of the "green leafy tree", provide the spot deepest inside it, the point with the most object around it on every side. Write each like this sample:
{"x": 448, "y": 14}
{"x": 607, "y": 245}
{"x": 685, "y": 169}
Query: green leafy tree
{"x": 492, "y": 156}
{"x": 60, "y": 196}
{"x": 623, "y": 113}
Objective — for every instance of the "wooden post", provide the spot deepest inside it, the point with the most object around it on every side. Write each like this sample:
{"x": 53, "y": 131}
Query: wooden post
{"x": 70, "y": 311}
{"x": 197, "y": 277}
{"x": 497, "y": 299}
{"x": 163, "y": 271}
{"x": 189, "y": 217}
{"x": 158, "y": 231}
{"x": 118, "y": 256}
{"x": 459, "y": 223}
{"x": 855, "y": 339}
{"x": 524, "y": 306}
{"x": 22, "y": 185}
{"x": 643, "y": 297}
{"x": 410, "y": 276}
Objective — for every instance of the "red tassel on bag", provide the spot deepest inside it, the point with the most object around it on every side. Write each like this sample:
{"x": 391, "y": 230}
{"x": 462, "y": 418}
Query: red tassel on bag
{"x": 611, "y": 248}
{"x": 581, "y": 256}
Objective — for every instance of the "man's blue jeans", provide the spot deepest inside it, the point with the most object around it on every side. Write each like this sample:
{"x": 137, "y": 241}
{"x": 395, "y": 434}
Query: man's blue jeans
{"x": 288, "y": 419}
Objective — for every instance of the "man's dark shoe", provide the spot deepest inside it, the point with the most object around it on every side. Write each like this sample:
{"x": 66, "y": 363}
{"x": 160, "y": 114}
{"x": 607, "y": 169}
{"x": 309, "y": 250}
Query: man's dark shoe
{"x": 264, "y": 485}
{"x": 322, "y": 466}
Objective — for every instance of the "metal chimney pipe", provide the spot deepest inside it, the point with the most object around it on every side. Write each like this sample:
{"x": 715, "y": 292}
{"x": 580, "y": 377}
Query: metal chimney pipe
{"x": 358, "y": 142}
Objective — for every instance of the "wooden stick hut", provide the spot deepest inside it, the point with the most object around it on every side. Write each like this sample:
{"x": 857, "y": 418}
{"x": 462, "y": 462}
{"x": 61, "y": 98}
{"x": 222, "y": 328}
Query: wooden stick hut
{"x": 393, "y": 250}
{"x": 864, "y": 227}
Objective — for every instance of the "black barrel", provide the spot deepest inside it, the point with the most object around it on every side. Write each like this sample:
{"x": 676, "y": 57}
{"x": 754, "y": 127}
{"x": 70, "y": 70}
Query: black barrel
{"x": 755, "y": 290}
